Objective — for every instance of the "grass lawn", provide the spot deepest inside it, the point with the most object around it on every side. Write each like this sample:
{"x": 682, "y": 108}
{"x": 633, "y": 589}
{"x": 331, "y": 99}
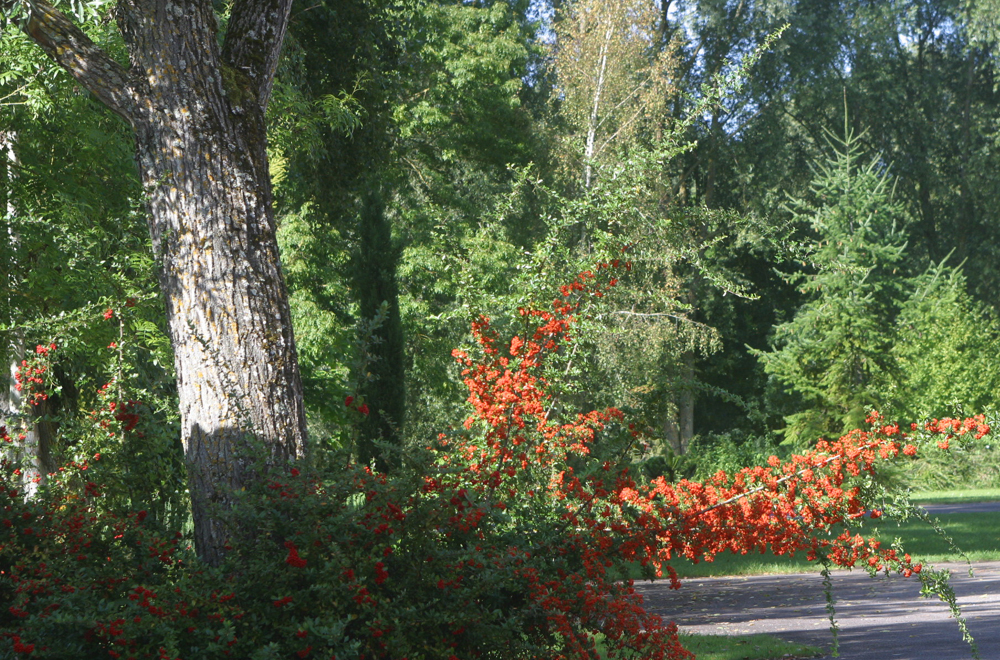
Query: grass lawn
{"x": 977, "y": 534}
{"x": 745, "y": 647}
{"x": 738, "y": 647}
{"x": 957, "y": 496}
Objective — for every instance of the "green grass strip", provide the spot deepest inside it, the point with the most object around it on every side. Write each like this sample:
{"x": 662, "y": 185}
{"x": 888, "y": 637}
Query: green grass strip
{"x": 957, "y": 496}
{"x": 736, "y": 647}
{"x": 745, "y": 647}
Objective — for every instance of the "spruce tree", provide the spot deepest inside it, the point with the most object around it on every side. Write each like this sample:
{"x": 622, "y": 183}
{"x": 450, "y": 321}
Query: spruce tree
{"x": 835, "y": 354}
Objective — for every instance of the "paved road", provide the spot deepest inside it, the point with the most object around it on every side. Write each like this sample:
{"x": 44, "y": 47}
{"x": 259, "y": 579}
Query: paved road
{"x": 967, "y": 507}
{"x": 879, "y": 619}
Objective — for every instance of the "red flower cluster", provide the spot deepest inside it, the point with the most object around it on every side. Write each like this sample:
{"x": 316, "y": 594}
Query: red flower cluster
{"x": 293, "y": 558}
{"x": 363, "y": 408}
{"x": 787, "y": 507}
{"x": 22, "y": 648}
{"x": 29, "y": 377}
{"x": 958, "y": 427}
{"x": 126, "y": 414}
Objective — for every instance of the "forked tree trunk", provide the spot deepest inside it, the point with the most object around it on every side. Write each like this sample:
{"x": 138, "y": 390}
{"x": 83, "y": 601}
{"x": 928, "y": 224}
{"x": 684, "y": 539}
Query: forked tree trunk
{"x": 198, "y": 115}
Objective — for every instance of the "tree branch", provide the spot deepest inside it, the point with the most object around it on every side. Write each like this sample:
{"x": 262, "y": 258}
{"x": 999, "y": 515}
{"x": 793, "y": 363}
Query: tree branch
{"x": 74, "y": 51}
{"x": 253, "y": 42}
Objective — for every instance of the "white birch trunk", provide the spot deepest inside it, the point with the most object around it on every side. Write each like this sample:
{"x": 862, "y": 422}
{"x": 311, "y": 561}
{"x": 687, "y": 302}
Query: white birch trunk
{"x": 595, "y": 116}
{"x": 28, "y": 452}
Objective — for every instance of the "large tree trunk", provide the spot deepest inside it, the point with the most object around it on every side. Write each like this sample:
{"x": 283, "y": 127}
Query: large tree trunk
{"x": 198, "y": 115}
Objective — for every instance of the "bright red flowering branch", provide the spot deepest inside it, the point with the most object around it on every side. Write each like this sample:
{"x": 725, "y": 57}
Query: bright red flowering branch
{"x": 787, "y": 506}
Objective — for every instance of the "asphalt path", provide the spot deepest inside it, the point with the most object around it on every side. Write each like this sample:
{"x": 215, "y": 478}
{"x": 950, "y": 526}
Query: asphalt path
{"x": 879, "y": 619}
{"x": 968, "y": 507}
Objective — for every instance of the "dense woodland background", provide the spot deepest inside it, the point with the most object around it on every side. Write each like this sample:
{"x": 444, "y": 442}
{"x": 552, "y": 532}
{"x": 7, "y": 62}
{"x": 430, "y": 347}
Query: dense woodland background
{"x": 812, "y": 229}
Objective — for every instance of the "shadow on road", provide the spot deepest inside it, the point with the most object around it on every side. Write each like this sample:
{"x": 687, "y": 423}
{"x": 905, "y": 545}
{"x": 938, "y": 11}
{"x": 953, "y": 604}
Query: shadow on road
{"x": 880, "y": 619}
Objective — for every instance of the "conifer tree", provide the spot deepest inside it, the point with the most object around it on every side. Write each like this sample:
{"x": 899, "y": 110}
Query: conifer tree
{"x": 383, "y": 383}
{"x": 835, "y": 354}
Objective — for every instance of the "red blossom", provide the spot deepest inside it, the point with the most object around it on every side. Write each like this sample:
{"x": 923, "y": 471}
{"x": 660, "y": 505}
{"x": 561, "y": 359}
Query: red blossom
{"x": 293, "y": 558}
{"x": 380, "y": 573}
{"x": 22, "y": 648}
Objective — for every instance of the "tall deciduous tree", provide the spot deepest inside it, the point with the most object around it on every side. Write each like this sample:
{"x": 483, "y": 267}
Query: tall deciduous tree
{"x": 197, "y": 111}
{"x": 72, "y": 245}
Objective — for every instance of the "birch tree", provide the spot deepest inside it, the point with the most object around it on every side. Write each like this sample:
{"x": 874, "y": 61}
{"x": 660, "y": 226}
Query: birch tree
{"x": 613, "y": 75}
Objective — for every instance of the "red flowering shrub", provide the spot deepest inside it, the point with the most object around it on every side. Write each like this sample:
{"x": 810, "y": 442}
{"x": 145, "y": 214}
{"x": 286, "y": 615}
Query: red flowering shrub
{"x": 511, "y": 538}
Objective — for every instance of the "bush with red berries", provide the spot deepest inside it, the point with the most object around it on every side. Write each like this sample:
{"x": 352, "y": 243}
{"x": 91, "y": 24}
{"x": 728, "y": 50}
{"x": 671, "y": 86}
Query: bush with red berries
{"x": 513, "y": 537}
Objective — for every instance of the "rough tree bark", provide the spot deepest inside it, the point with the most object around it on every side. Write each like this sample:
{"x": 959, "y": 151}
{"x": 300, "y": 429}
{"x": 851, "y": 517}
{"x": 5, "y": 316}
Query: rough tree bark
{"x": 198, "y": 115}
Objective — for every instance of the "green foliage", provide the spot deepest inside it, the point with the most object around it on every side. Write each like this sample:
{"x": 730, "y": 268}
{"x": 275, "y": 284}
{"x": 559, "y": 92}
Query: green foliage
{"x": 730, "y": 451}
{"x": 462, "y": 111}
{"x": 79, "y": 273}
{"x": 314, "y": 263}
{"x": 328, "y": 136}
{"x": 945, "y": 350}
